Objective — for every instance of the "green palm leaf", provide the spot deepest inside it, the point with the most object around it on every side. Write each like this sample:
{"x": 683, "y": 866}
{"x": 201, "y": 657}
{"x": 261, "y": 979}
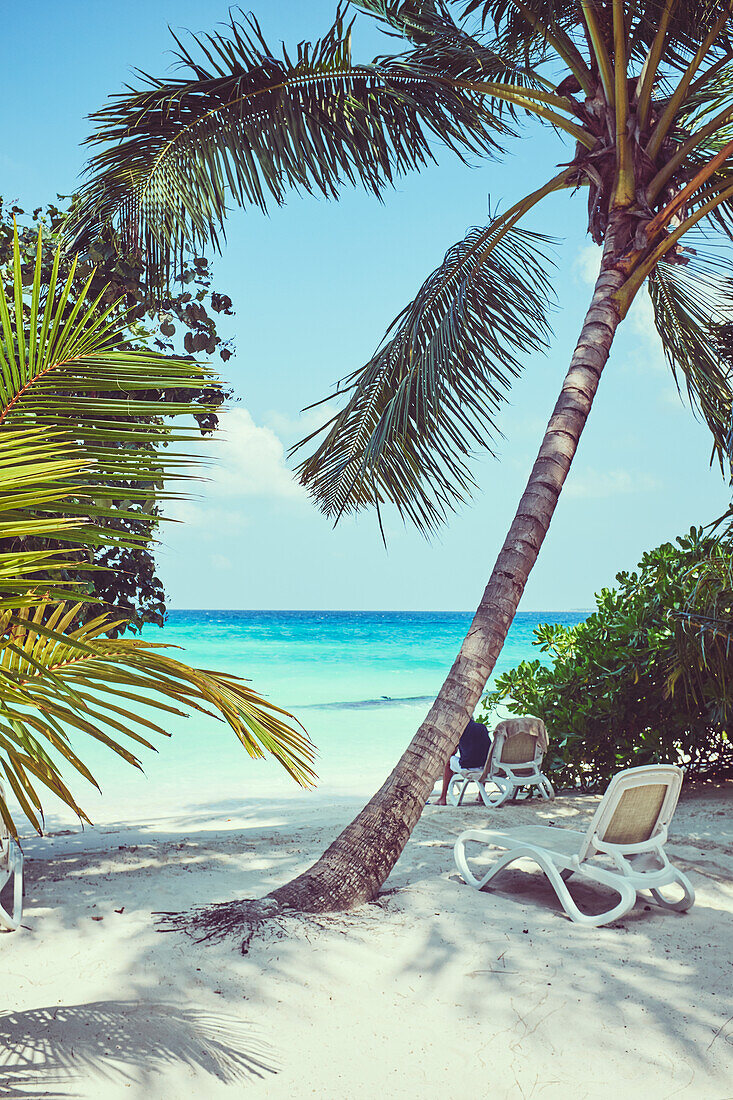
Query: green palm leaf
{"x": 40, "y": 479}
{"x": 530, "y": 24}
{"x": 57, "y": 683}
{"x": 444, "y": 48}
{"x": 433, "y": 390}
{"x": 82, "y": 441}
{"x": 693, "y": 314}
{"x": 242, "y": 126}
{"x": 82, "y": 438}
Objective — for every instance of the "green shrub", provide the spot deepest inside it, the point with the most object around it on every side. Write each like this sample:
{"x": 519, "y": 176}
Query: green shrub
{"x": 644, "y": 679}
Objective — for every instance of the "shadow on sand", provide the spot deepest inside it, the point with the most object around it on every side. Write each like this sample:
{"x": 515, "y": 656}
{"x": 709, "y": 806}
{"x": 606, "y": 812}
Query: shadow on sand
{"x": 44, "y": 1051}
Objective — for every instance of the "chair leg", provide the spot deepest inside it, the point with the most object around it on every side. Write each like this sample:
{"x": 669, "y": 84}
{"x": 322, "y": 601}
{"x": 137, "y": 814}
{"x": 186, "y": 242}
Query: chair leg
{"x": 626, "y": 892}
{"x": 452, "y": 797}
{"x": 626, "y": 902}
{"x": 459, "y": 853}
{"x": 685, "y": 902}
{"x": 546, "y": 788}
{"x": 457, "y": 789}
{"x": 11, "y": 920}
{"x": 493, "y": 801}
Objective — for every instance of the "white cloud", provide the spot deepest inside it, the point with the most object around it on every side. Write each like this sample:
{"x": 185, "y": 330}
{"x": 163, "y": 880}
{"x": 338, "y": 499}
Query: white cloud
{"x": 588, "y": 263}
{"x": 183, "y": 511}
{"x": 249, "y": 461}
{"x": 220, "y": 562}
{"x": 296, "y": 428}
{"x": 608, "y": 483}
{"x": 241, "y": 460}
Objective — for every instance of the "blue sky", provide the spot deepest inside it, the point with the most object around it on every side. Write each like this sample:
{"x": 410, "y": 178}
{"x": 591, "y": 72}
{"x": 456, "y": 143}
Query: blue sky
{"x": 314, "y": 285}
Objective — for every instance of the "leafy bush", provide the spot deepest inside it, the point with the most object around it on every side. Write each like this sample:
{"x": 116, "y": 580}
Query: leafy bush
{"x": 644, "y": 679}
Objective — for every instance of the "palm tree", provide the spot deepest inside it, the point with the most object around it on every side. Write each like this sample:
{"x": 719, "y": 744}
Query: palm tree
{"x": 639, "y": 95}
{"x": 78, "y": 434}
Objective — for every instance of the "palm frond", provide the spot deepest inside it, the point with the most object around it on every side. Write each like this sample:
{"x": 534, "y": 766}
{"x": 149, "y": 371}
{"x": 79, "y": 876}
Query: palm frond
{"x": 693, "y": 314}
{"x": 57, "y": 684}
{"x": 411, "y": 19}
{"x": 82, "y": 438}
{"x": 527, "y": 29}
{"x": 432, "y": 391}
{"x": 691, "y": 20}
{"x": 444, "y": 47}
{"x": 704, "y": 121}
{"x": 242, "y": 126}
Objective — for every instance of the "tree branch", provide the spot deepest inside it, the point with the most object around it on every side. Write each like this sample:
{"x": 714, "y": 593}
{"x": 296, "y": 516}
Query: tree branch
{"x": 565, "y": 47}
{"x": 520, "y": 99}
{"x": 624, "y": 189}
{"x": 599, "y": 49}
{"x": 679, "y": 158}
{"x": 651, "y": 65}
{"x": 626, "y": 294}
{"x": 681, "y": 92}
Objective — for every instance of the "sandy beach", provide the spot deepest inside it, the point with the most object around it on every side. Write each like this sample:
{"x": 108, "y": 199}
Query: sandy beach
{"x": 432, "y": 991}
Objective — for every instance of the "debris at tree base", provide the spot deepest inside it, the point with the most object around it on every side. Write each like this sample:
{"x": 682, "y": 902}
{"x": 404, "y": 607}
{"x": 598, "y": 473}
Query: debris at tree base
{"x": 222, "y": 919}
{"x": 262, "y": 918}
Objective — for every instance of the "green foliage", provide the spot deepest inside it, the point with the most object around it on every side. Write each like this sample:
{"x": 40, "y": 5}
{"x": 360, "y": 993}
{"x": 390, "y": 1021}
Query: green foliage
{"x": 241, "y": 126}
{"x": 186, "y": 320}
{"x": 434, "y": 388}
{"x": 73, "y": 392}
{"x": 647, "y": 678}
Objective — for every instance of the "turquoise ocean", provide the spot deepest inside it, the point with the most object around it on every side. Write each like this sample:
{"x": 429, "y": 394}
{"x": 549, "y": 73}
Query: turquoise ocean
{"x": 359, "y": 681}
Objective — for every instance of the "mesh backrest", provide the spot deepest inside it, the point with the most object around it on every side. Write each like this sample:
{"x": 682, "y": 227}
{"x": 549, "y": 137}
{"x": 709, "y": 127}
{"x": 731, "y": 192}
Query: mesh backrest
{"x": 519, "y": 749}
{"x": 635, "y": 818}
{"x": 636, "y": 809}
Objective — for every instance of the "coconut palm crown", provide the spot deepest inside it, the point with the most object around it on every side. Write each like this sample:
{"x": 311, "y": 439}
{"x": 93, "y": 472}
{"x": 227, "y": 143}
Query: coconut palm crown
{"x": 640, "y": 95}
{"x": 642, "y": 92}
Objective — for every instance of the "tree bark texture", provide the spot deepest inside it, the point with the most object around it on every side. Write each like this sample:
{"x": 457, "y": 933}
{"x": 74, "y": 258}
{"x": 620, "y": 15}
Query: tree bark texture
{"x": 353, "y": 868}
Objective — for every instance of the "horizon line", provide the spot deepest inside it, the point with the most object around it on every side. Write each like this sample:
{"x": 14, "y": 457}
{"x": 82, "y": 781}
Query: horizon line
{"x": 371, "y": 610}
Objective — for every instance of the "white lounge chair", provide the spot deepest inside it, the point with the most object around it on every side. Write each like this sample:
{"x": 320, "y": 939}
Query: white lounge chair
{"x": 513, "y": 762}
{"x": 622, "y": 848}
{"x": 11, "y": 867}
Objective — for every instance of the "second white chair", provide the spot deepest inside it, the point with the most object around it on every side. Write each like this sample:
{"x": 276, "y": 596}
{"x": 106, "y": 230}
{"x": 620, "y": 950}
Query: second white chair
{"x": 514, "y": 762}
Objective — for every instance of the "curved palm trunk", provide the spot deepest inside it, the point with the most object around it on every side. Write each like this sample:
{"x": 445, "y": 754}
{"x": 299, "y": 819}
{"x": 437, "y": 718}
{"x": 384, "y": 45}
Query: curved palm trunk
{"x": 354, "y": 867}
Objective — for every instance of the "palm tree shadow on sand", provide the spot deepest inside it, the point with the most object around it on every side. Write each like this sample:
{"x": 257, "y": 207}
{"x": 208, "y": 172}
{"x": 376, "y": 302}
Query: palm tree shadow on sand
{"x": 49, "y": 1049}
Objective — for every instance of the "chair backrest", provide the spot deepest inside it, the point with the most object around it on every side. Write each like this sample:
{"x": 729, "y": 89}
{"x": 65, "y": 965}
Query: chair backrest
{"x": 519, "y": 749}
{"x": 637, "y": 805}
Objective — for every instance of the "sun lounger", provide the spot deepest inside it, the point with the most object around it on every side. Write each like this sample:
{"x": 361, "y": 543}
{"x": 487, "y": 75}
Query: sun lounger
{"x": 623, "y": 847}
{"x": 515, "y": 761}
{"x": 11, "y": 868}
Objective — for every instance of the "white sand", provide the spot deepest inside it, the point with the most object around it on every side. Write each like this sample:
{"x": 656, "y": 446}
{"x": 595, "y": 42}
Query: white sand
{"x": 434, "y": 992}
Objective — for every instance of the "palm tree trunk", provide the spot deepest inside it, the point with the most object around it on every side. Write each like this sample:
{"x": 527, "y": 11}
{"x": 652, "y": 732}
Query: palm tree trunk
{"x": 353, "y": 868}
